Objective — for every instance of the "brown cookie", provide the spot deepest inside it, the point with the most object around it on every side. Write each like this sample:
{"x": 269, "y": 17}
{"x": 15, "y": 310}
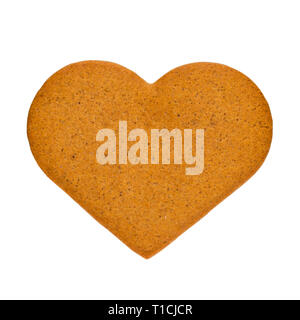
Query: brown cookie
{"x": 147, "y": 161}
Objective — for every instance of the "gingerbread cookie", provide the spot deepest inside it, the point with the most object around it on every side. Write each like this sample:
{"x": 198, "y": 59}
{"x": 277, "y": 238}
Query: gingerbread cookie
{"x": 147, "y": 161}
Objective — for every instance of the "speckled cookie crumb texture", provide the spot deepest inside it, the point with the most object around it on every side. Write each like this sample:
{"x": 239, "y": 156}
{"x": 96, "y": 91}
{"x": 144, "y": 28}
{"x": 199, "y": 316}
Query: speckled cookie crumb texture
{"x": 148, "y": 206}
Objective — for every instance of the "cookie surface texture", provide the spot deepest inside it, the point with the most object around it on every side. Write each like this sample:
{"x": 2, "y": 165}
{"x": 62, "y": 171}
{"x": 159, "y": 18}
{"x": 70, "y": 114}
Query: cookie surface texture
{"x": 147, "y": 161}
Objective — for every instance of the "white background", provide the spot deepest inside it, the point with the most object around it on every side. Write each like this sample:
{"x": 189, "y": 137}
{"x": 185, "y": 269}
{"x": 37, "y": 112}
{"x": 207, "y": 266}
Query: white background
{"x": 247, "y": 247}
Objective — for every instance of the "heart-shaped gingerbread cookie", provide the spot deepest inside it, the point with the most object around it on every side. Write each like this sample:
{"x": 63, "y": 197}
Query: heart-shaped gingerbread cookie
{"x": 147, "y": 161}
